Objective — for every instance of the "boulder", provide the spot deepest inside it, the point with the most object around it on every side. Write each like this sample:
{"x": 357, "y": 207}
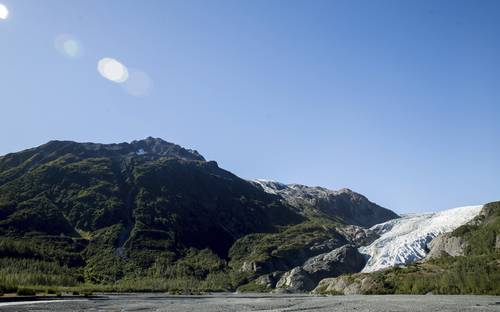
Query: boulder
{"x": 269, "y": 280}
{"x": 345, "y": 259}
{"x": 446, "y": 244}
{"x": 346, "y": 285}
{"x": 248, "y": 266}
{"x": 295, "y": 280}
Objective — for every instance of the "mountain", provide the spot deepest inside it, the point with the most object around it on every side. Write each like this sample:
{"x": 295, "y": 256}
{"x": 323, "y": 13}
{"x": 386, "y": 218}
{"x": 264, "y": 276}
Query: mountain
{"x": 147, "y": 202}
{"x": 151, "y": 215}
{"x": 397, "y": 242}
{"x": 406, "y": 240}
{"x": 153, "y": 188}
{"x": 463, "y": 261}
{"x": 345, "y": 205}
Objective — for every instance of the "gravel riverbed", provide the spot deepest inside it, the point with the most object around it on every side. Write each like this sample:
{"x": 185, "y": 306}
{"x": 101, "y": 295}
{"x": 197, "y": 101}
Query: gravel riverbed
{"x": 259, "y": 302}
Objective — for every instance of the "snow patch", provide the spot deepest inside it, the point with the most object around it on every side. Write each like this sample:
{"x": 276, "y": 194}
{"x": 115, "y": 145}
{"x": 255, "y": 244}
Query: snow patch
{"x": 141, "y": 152}
{"x": 405, "y": 240}
{"x": 270, "y": 186}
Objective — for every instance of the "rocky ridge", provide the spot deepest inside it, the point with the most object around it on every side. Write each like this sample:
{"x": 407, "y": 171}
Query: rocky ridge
{"x": 344, "y": 205}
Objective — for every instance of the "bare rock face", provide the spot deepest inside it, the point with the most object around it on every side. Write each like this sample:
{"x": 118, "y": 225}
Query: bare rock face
{"x": 269, "y": 280}
{"x": 346, "y": 285}
{"x": 248, "y": 266}
{"x": 357, "y": 235}
{"x": 295, "y": 280}
{"x": 446, "y": 244}
{"x": 337, "y": 285}
{"x": 286, "y": 259}
{"x": 345, "y": 259}
{"x": 348, "y": 206}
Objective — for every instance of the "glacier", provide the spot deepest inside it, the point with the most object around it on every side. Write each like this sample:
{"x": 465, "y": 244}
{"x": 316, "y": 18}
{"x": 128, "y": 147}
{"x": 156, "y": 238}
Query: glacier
{"x": 405, "y": 240}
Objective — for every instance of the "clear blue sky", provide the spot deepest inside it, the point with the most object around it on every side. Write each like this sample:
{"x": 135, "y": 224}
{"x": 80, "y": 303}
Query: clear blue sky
{"x": 398, "y": 100}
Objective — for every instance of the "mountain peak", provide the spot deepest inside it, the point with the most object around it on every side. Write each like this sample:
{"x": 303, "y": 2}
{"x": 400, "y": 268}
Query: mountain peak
{"x": 161, "y": 147}
{"x": 149, "y": 146}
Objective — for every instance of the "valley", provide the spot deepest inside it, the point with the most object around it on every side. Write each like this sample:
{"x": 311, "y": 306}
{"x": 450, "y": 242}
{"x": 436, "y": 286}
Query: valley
{"x": 151, "y": 216}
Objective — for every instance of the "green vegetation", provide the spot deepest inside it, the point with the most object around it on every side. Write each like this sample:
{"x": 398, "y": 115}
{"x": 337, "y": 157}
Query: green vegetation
{"x": 285, "y": 249}
{"x": 183, "y": 272}
{"x": 254, "y": 287}
{"x": 25, "y": 292}
{"x": 100, "y": 217}
{"x": 84, "y": 218}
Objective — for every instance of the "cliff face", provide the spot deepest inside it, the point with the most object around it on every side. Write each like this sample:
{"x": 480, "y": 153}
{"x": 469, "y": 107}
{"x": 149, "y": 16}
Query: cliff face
{"x": 345, "y": 259}
{"x": 446, "y": 244}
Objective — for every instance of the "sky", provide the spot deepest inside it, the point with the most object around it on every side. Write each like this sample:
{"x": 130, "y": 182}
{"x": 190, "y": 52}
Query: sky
{"x": 397, "y": 100}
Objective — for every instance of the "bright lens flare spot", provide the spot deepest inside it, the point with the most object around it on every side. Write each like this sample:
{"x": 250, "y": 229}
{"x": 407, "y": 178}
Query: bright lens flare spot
{"x": 4, "y": 12}
{"x": 112, "y": 70}
{"x": 68, "y": 46}
{"x": 71, "y": 47}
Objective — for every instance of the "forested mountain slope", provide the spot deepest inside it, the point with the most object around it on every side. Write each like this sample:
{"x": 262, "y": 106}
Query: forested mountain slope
{"x": 150, "y": 215}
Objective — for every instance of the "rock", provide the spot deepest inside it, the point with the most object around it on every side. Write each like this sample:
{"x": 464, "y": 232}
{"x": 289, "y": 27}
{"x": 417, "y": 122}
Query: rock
{"x": 357, "y": 235}
{"x": 335, "y": 284}
{"x": 344, "y": 204}
{"x": 269, "y": 280}
{"x": 346, "y": 285}
{"x": 345, "y": 259}
{"x": 259, "y": 268}
{"x": 295, "y": 280}
{"x": 289, "y": 258}
{"x": 248, "y": 266}
{"x": 446, "y": 244}
{"x": 324, "y": 246}
{"x": 279, "y": 262}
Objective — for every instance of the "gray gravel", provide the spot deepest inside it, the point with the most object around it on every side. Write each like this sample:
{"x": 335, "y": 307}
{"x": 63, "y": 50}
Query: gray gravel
{"x": 258, "y": 302}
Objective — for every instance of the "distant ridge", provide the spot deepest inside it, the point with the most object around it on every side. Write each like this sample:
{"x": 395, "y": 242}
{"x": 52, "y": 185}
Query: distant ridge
{"x": 350, "y": 207}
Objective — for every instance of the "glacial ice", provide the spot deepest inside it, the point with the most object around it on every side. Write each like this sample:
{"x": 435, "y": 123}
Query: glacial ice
{"x": 405, "y": 240}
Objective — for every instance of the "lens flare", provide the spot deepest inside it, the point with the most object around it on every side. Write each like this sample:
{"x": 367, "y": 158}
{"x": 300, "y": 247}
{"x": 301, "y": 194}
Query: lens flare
{"x": 4, "y": 12}
{"x": 112, "y": 70}
{"x": 68, "y": 46}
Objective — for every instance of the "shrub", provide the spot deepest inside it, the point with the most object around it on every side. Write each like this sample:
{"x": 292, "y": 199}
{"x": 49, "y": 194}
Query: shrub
{"x": 254, "y": 287}
{"x": 87, "y": 293}
{"x": 26, "y": 292}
